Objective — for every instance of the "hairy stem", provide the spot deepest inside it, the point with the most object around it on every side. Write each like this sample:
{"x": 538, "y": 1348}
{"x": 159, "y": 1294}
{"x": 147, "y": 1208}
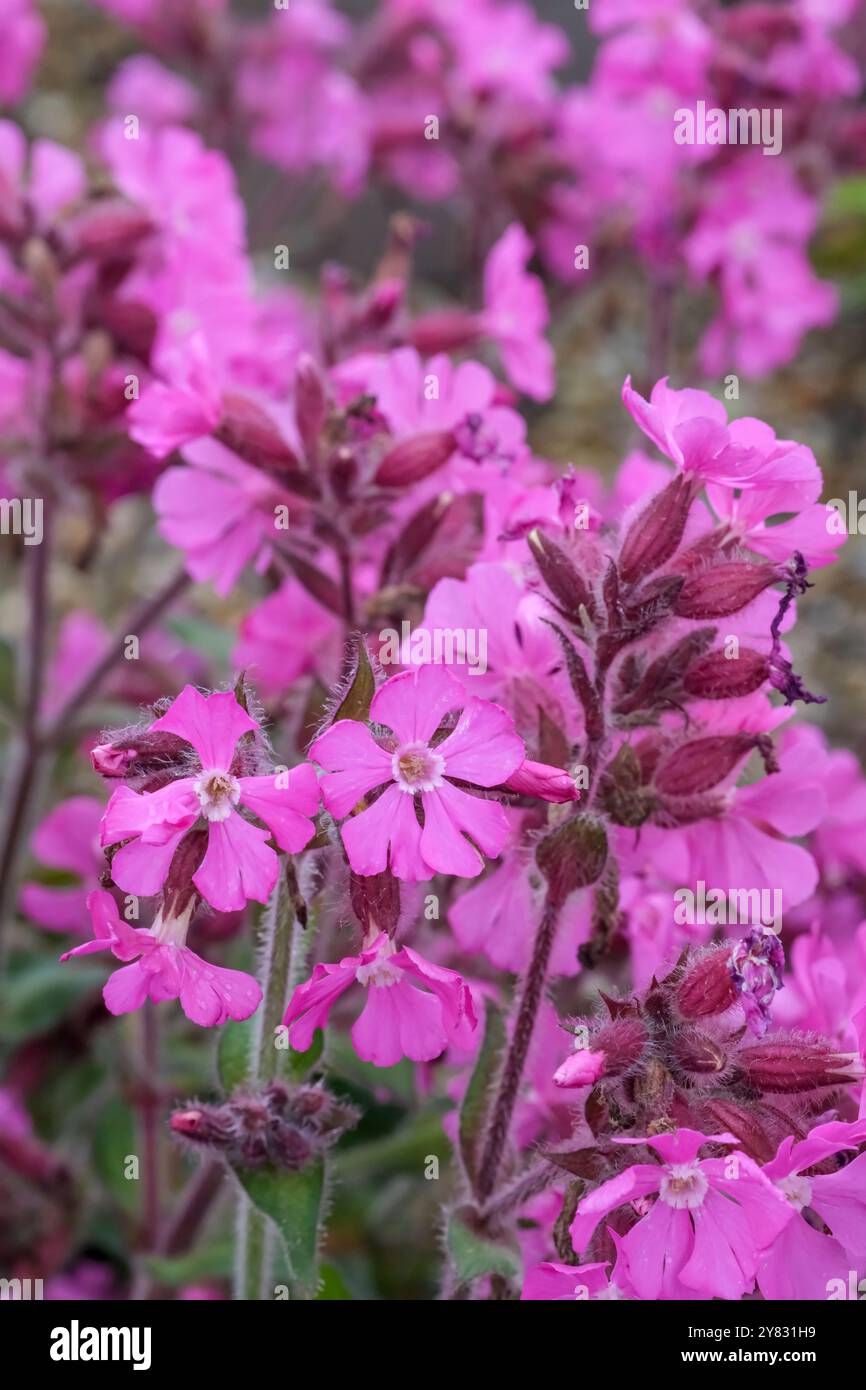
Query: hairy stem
{"x": 515, "y": 1059}
{"x": 254, "y": 1245}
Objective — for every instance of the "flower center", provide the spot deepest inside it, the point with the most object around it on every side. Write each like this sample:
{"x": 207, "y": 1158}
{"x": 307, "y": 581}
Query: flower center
{"x": 218, "y": 792}
{"x": 797, "y": 1190}
{"x": 380, "y": 972}
{"x": 417, "y": 768}
{"x": 683, "y": 1185}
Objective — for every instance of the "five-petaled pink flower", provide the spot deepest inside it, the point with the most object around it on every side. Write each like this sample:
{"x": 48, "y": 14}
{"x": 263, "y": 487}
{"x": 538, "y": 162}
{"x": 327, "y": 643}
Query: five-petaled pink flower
{"x": 708, "y": 1228}
{"x": 238, "y": 862}
{"x": 482, "y": 749}
{"x": 414, "y": 1008}
{"x": 165, "y": 967}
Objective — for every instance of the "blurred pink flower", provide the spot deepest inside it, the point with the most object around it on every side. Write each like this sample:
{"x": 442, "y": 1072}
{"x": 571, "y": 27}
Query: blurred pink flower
{"x": 68, "y": 839}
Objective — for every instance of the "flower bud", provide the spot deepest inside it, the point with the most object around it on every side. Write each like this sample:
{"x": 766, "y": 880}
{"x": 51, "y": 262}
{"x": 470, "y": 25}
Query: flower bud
{"x": 723, "y": 589}
{"x": 568, "y": 588}
{"x": 788, "y": 1064}
{"x": 447, "y": 330}
{"x": 707, "y": 987}
{"x": 376, "y": 901}
{"x": 703, "y": 763}
{"x": 582, "y": 1068}
{"x": 250, "y": 432}
{"x": 698, "y": 1053}
{"x": 106, "y": 228}
{"x": 413, "y": 459}
{"x": 310, "y": 403}
{"x": 744, "y": 1121}
{"x": 718, "y": 677}
{"x": 655, "y": 534}
{"x": 542, "y": 780}
{"x": 572, "y": 856}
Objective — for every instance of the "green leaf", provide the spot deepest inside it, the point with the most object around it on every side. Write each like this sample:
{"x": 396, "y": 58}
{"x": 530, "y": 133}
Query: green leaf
{"x": 355, "y": 704}
{"x": 473, "y": 1255}
{"x": 476, "y": 1100}
{"x": 298, "y": 1065}
{"x": 213, "y": 1261}
{"x": 210, "y": 639}
{"x": 333, "y": 1286}
{"x": 234, "y": 1051}
{"x": 293, "y": 1201}
{"x": 114, "y": 1141}
{"x": 41, "y": 993}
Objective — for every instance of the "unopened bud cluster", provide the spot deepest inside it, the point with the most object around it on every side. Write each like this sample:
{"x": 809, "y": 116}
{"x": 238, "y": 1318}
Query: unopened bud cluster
{"x": 283, "y": 1126}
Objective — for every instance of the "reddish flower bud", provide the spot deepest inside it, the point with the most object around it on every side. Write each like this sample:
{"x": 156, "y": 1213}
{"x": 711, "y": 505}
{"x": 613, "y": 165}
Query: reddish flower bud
{"x": 447, "y": 330}
{"x": 249, "y": 431}
{"x": 707, "y": 987}
{"x": 696, "y": 1052}
{"x": 655, "y": 534}
{"x": 787, "y": 1064}
{"x": 106, "y": 228}
{"x": 110, "y": 761}
{"x": 310, "y": 403}
{"x": 413, "y": 459}
{"x": 561, "y": 577}
{"x": 745, "y": 1122}
{"x": 716, "y": 676}
{"x": 542, "y": 780}
{"x": 376, "y": 901}
{"x": 723, "y": 589}
{"x": 704, "y": 762}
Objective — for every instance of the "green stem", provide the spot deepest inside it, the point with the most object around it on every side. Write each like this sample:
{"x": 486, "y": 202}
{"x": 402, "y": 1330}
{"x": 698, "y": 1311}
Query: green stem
{"x": 254, "y": 1246}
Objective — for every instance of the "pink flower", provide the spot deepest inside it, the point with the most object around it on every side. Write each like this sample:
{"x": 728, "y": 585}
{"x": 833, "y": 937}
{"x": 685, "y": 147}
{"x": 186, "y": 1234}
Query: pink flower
{"x": 164, "y": 967}
{"x": 157, "y": 95}
{"x": 239, "y": 862}
{"x": 481, "y": 749}
{"x": 691, "y": 428}
{"x": 558, "y": 1283}
{"x": 220, "y": 511}
{"x": 708, "y": 1228}
{"x": 752, "y": 236}
{"x": 516, "y": 315}
{"x": 179, "y": 411}
{"x": 802, "y": 1260}
{"x": 22, "y": 34}
{"x": 582, "y": 1068}
{"x": 286, "y": 636}
{"x": 68, "y": 839}
{"x": 414, "y": 1008}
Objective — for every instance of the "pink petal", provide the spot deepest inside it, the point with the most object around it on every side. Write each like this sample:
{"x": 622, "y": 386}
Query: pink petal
{"x": 483, "y": 747}
{"x": 312, "y": 1001}
{"x": 399, "y": 1021}
{"x": 355, "y": 765}
{"x": 56, "y": 909}
{"x": 211, "y": 994}
{"x": 636, "y": 1181}
{"x": 656, "y": 1249}
{"x": 389, "y": 824}
{"x": 447, "y": 811}
{"x": 840, "y": 1200}
{"x": 452, "y": 991}
{"x": 414, "y": 703}
{"x": 800, "y": 1263}
{"x": 68, "y": 838}
{"x": 127, "y": 989}
{"x": 285, "y": 809}
{"x": 142, "y": 868}
{"x": 211, "y": 723}
{"x": 238, "y": 864}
